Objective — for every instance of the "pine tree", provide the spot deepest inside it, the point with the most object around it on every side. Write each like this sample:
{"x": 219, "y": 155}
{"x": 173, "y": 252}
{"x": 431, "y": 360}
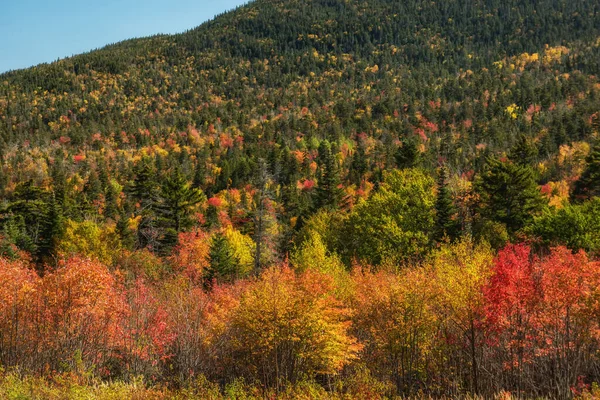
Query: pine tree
{"x": 329, "y": 194}
{"x": 174, "y": 207}
{"x": 222, "y": 262}
{"x": 523, "y": 152}
{"x": 588, "y": 185}
{"x": 508, "y": 194}
{"x": 199, "y": 180}
{"x": 407, "y": 155}
{"x": 52, "y": 230}
{"x": 141, "y": 192}
{"x": 445, "y": 224}
{"x": 263, "y": 218}
{"x": 111, "y": 207}
{"x": 359, "y": 165}
{"x": 91, "y": 191}
{"x": 33, "y": 219}
{"x": 124, "y": 231}
{"x": 143, "y": 184}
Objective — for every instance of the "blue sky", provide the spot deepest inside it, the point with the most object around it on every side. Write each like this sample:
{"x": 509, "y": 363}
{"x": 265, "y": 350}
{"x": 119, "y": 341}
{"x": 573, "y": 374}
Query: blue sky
{"x": 37, "y": 31}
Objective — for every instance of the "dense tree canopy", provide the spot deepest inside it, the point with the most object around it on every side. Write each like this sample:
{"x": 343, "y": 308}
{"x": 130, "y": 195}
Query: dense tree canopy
{"x": 310, "y": 199}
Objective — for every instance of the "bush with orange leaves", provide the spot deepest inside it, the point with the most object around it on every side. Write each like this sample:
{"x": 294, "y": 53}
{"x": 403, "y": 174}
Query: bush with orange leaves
{"x": 81, "y": 308}
{"x": 191, "y": 254}
{"x": 18, "y": 285}
{"x": 395, "y": 319}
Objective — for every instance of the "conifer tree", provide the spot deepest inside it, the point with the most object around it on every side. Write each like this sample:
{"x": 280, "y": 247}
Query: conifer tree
{"x": 329, "y": 194}
{"x": 523, "y": 152}
{"x": 445, "y": 224}
{"x": 263, "y": 219}
{"x": 508, "y": 194}
{"x": 174, "y": 207}
{"x": 407, "y": 155}
{"x": 142, "y": 193}
{"x": 222, "y": 262}
{"x": 359, "y": 165}
{"x": 588, "y": 185}
{"x": 51, "y": 231}
{"x": 125, "y": 233}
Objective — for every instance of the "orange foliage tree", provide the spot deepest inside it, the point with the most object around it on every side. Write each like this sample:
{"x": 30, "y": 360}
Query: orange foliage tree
{"x": 81, "y": 309}
{"x": 394, "y": 318}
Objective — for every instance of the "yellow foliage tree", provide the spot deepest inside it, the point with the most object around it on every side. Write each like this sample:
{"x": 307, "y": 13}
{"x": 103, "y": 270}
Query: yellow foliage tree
{"x": 461, "y": 271}
{"x": 90, "y": 240}
{"x": 313, "y": 255}
{"x": 243, "y": 250}
{"x": 289, "y": 326}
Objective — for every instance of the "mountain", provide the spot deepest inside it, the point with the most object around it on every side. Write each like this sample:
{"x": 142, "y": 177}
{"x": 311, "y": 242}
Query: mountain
{"x": 457, "y": 81}
{"x": 310, "y": 198}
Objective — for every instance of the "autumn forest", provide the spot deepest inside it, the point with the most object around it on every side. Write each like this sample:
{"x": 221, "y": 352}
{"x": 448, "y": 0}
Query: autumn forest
{"x": 315, "y": 199}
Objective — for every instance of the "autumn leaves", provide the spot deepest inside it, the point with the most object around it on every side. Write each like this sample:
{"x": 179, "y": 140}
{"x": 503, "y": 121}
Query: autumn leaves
{"x": 465, "y": 320}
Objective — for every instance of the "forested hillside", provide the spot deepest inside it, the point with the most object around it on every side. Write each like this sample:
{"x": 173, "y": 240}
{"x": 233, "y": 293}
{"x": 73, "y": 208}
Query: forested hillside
{"x": 319, "y": 198}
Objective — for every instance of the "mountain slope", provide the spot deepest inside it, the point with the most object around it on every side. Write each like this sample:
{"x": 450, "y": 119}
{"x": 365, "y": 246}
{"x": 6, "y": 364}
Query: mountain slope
{"x": 457, "y": 80}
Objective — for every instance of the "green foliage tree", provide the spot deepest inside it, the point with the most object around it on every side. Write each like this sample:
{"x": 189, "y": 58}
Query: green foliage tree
{"x": 523, "y": 152}
{"x": 142, "y": 194}
{"x": 575, "y": 226}
{"x": 588, "y": 185}
{"x": 264, "y": 220}
{"x": 32, "y": 220}
{"x": 175, "y": 207}
{"x": 396, "y": 223}
{"x": 329, "y": 194}
{"x": 222, "y": 263}
{"x": 407, "y": 155}
{"x": 359, "y": 166}
{"x": 508, "y": 194}
{"x": 446, "y": 224}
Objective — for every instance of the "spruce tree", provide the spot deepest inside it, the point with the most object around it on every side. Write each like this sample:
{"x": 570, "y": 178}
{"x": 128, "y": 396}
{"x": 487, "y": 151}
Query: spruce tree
{"x": 174, "y": 207}
{"x": 359, "y": 165}
{"x": 523, "y": 152}
{"x": 142, "y": 193}
{"x": 445, "y": 223}
{"x": 263, "y": 218}
{"x": 508, "y": 194}
{"x": 329, "y": 194}
{"x": 588, "y": 185}
{"x": 124, "y": 231}
{"x": 222, "y": 262}
{"x": 407, "y": 155}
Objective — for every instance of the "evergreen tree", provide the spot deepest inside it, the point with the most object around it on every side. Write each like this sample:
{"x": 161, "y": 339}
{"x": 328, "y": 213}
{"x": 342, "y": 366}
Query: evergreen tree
{"x": 32, "y": 219}
{"x": 174, "y": 207}
{"x": 91, "y": 191}
{"x": 142, "y": 193}
{"x": 359, "y": 165}
{"x": 263, "y": 219}
{"x": 523, "y": 152}
{"x": 508, "y": 194}
{"x": 124, "y": 231}
{"x": 52, "y": 230}
{"x": 407, "y": 155}
{"x": 329, "y": 194}
{"x": 111, "y": 207}
{"x": 222, "y": 262}
{"x": 445, "y": 223}
{"x": 143, "y": 184}
{"x": 199, "y": 180}
{"x": 588, "y": 185}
